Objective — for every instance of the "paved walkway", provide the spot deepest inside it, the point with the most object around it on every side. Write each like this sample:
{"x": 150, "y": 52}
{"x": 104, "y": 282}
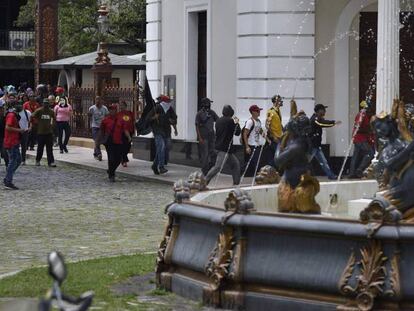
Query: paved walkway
{"x": 138, "y": 169}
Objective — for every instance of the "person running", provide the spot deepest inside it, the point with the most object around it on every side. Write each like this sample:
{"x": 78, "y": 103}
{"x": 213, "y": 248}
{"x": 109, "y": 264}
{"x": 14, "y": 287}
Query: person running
{"x": 274, "y": 128}
{"x": 45, "y": 118}
{"x": 363, "y": 142}
{"x": 251, "y": 138}
{"x": 111, "y": 132}
{"x": 25, "y": 124}
{"x": 317, "y": 123}
{"x": 127, "y": 117}
{"x": 12, "y": 145}
{"x": 204, "y": 123}
{"x": 32, "y": 105}
{"x": 96, "y": 114}
{"x": 226, "y": 127}
{"x": 63, "y": 112}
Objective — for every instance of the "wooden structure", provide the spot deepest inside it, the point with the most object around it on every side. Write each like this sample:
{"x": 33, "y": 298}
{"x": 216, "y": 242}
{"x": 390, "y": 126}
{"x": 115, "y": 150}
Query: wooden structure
{"x": 46, "y": 42}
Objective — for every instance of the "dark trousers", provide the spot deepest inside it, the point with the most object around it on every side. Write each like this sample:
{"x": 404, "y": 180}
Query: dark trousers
{"x": 363, "y": 154}
{"x": 32, "y": 138}
{"x": 126, "y": 147}
{"x": 24, "y": 141}
{"x": 114, "y": 152}
{"x": 253, "y": 161}
{"x": 207, "y": 152}
{"x": 63, "y": 126}
{"x": 42, "y": 141}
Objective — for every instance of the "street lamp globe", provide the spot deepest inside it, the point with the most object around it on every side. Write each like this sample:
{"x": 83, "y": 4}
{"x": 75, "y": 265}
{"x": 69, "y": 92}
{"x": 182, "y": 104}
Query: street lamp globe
{"x": 103, "y": 20}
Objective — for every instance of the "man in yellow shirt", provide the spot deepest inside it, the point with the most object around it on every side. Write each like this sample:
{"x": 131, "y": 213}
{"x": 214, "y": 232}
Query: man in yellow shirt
{"x": 274, "y": 127}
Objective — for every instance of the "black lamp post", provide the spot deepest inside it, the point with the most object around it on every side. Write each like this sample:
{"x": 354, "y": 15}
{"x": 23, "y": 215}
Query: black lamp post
{"x": 103, "y": 67}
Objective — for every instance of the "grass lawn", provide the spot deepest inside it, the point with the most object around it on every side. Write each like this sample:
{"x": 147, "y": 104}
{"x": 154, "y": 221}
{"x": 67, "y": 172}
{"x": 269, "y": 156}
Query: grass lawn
{"x": 97, "y": 275}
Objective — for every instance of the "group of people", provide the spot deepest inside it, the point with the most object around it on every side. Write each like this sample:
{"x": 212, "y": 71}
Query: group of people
{"x": 29, "y": 117}
{"x": 113, "y": 127}
{"x": 261, "y": 143}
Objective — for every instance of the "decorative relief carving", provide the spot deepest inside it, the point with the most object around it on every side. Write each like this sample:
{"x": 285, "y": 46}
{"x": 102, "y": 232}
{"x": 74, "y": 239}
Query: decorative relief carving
{"x": 267, "y": 176}
{"x": 218, "y": 265}
{"x": 197, "y": 181}
{"x": 181, "y": 191}
{"x": 160, "y": 261}
{"x": 369, "y": 282}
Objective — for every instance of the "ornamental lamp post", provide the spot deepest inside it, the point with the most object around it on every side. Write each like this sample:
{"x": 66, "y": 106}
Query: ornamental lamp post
{"x": 102, "y": 68}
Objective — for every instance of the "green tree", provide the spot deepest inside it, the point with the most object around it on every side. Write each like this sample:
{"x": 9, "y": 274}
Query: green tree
{"x": 78, "y": 33}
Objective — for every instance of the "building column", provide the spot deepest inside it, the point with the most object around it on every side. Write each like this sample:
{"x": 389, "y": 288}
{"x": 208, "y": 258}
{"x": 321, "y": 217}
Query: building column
{"x": 153, "y": 54}
{"x": 388, "y": 59}
{"x": 275, "y": 54}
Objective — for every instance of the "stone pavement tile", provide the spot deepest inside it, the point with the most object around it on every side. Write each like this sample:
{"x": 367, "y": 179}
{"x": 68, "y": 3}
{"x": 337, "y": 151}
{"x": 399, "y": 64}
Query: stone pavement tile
{"x": 79, "y": 213}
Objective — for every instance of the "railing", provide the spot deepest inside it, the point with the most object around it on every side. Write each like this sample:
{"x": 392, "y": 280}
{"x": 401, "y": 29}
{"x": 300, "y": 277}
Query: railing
{"x": 16, "y": 40}
{"x": 82, "y": 98}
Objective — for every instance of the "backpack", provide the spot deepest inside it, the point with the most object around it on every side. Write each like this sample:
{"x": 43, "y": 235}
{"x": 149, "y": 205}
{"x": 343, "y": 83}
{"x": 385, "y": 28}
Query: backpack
{"x": 248, "y": 133}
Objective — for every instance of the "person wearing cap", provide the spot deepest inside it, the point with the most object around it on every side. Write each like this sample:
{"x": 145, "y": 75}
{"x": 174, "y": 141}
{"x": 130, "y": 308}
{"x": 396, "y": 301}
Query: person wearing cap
{"x": 251, "y": 139}
{"x": 12, "y": 144}
{"x": 363, "y": 141}
{"x": 171, "y": 117}
{"x": 45, "y": 118}
{"x": 63, "y": 112}
{"x": 274, "y": 127}
{"x": 96, "y": 114}
{"x": 111, "y": 135}
{"x": 160, "y": 119}
{"x": 204, "y": 122}
{"x": 32, "y": 105}
{"x": 318, "y": 122}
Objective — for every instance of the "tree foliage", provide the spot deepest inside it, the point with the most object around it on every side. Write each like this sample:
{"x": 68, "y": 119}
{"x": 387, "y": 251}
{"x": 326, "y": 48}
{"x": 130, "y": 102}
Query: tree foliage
{"x": 78, "y": 33}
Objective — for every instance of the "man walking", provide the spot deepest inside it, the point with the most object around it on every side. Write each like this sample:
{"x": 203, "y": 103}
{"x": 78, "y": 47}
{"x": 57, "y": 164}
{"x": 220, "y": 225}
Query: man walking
{"x": 3, "y": 153}
{"x": 363, "y": 142}
{"x": 318, "y": 122}
{"x": 11, "y": 145}
{"x": 226, "y": 127}
{"x": 159, "y": 120}
{"x": 126, "y": 117}
{"x": 24, "y": 124}
{"x": 251, "y": 134}
{"x": 96, "y": 114}
{"x": 274, "y": 128}
{"x": 45, "y": 118}
{"x": 204, "y": 123}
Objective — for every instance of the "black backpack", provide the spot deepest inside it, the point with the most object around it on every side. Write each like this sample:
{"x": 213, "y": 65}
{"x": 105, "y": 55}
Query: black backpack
{"x": 248, "y": 133}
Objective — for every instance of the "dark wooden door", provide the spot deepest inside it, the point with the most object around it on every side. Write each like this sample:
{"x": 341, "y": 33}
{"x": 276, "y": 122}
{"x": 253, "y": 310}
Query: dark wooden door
{"x": 368, "y": 55}
{"x": 202, "y": 57}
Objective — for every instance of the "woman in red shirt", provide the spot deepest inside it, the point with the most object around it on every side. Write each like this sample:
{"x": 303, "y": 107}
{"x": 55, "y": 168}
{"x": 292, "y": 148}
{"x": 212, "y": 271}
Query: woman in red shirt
{"x": 111, "y": 133}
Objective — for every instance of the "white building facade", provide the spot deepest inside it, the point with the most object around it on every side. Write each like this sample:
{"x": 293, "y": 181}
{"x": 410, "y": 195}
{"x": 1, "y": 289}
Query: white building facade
{"x": 242, "y": 52}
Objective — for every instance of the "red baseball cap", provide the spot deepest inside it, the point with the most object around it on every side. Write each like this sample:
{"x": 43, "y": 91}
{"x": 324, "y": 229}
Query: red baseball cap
{"x": 60, "y": 90}
{"x": 164, "y": 98}
{"x": 255, "y": 108}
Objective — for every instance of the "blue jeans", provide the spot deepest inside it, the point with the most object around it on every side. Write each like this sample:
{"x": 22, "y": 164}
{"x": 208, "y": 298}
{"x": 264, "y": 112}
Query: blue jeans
{"x": 318, "y": 154}
{"x": 160, "y": 145}
{"x": 15, "y": 159}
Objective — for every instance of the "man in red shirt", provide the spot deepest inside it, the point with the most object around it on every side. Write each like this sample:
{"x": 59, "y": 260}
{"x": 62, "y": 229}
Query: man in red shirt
{"x": 32, "y": 105}
{"x": 111, "y": 131}
{"x": 126, "y": 117}
{"x": 11, "y": 144}
{"x": 363, "y": 144}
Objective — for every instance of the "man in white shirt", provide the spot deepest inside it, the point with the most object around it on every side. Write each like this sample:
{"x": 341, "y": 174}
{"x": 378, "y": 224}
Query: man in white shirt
{"x": 26, "y": 125}
{"x": 252, "y": 133}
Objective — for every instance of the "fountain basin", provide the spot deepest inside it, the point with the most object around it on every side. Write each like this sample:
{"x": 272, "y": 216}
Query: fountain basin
{"x": 265, "y": 260}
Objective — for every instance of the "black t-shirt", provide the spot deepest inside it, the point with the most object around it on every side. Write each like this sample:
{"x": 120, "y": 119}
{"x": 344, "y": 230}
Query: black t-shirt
{"x": 317, "y": 124}
{"x": 205, "y": 121}
{"x": 225, "y": 129}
